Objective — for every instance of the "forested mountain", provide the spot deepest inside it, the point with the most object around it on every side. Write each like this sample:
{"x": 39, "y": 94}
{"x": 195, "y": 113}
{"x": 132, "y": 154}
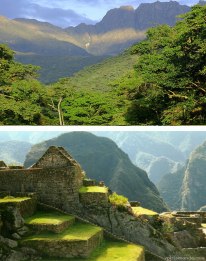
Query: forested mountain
{"x": 185, "y": 189}
{"x": 103, "y": 160}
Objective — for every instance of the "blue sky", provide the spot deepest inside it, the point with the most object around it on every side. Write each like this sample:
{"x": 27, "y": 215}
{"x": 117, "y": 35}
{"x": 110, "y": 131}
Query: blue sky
{"x": 66, "y": 12}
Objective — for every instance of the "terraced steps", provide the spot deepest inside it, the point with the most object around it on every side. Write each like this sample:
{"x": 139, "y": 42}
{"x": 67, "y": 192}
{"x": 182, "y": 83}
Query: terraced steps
{"x": 111, "y": 251}
{"x": 50, "y": 222}
{"x": 58, "y": 236}
{"x": 78, "y": 240}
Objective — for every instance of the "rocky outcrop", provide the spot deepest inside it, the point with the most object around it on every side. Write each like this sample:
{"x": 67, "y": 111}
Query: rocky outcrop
{"x": 125, "y": 225}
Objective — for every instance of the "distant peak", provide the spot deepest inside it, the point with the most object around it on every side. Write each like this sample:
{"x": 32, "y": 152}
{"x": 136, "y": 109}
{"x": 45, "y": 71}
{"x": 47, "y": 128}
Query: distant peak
{"x": 127, "y": 7}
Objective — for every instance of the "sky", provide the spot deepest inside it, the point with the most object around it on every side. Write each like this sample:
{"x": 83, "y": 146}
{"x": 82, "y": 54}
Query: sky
{"x": 66, "y": 13}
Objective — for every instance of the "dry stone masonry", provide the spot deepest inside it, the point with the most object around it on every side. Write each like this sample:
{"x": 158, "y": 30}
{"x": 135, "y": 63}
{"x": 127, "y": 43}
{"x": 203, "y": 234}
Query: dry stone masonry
{"x": 56, "y": 179}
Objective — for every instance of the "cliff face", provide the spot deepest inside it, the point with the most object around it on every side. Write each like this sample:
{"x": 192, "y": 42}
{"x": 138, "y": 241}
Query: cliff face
{"x": 104, "y": 161}
{"x": 149, "y": 15}
{"x": 126, "y": 24}
{"x": 193, "y": 189}
{"x": 185, "y": 189}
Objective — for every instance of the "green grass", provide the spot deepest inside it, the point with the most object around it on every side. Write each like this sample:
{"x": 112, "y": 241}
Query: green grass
{"x": 116, "y": 251}
{"x": 143, "y": 211}
{"x": 93, "y": 189}
{"x": 77, "y": 232}
{"x": 48, "y": 218}
{"x": 118, "y": 199}
{"x": 204, "y": 225}
{"x": 13, "y": 200}
{"x": 111, "y": 251}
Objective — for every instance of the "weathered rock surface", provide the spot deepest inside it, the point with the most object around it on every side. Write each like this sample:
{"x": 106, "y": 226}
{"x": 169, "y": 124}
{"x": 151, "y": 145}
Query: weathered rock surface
{"x": 129, "y": 227}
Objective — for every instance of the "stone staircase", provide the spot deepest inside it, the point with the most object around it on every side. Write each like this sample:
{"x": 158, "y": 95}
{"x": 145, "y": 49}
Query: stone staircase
{"x": 56, "y": 235}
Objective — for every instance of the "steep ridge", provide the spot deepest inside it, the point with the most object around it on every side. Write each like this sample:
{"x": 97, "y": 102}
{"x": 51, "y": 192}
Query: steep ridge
{"x": 185, "y": 189}
{"x": 103, "y": 160}
{"x": 193, "y": 189}
{"x": 156, "y": 156}
{"x": 131, "y": 23}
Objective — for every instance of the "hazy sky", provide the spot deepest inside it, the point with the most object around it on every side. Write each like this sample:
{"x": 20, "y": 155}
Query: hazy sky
{"x": 66, "y": 12}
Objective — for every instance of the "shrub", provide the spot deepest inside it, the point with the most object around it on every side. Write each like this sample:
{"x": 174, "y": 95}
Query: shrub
{"x": 118, "y": 200}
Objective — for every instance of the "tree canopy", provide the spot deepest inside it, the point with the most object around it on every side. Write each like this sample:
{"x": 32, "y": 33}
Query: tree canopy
{"x": 171, "y": 73}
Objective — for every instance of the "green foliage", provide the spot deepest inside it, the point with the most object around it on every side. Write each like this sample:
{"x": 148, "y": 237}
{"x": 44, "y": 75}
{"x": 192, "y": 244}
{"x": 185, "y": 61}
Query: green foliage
{"x": 118, "y": 200}
{"x": 23, "y": 99}
{"x": 171, "y": 73}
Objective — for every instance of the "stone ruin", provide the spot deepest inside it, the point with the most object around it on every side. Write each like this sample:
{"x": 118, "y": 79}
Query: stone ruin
{"x": 56, "y": 179}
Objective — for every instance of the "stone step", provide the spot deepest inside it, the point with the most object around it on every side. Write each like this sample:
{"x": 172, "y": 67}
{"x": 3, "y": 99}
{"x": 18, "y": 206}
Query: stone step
{"x": 50, "y": 222}
{"x": 195, "y": 253}
{"x": 111, "y": 250}
{"x": 76, "y": 241}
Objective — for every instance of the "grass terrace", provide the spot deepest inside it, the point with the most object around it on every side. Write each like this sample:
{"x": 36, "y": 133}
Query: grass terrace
{"x": 78, "y": 231}
{"x": 204, "y": 225}
{"x": 53, "y": 218}
{"x": 143, "y": 211}
{"x": 13, "y": 200}
{"x": 112, "y": 251}
{"x": 93, "y": 189}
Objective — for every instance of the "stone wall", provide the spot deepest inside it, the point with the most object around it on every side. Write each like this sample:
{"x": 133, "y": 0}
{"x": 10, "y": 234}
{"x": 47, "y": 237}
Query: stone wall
{"x": 95, "y": 198}
{"x": 66, "y": 248}
{"x": 58, "y": 187}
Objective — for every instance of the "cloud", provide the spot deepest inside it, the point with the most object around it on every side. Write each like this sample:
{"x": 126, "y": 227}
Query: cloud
{"x": 30, "y": 9}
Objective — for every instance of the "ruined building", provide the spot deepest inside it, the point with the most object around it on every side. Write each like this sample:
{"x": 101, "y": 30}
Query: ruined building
{"x": 56, "y": 179}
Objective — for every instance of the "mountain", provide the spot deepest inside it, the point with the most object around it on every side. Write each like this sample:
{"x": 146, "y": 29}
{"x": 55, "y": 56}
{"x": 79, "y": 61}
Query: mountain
{"x": 185, "y": 189}
{"x": 45, "y": 45}
{"x": 62, "y": 52}
{"x": 156, "y": 156}
{"x": 193, "y": 190}
{"x": 127, "y": 25}
{"x": 103, "y": 160}
{"x": 14, "y": 152}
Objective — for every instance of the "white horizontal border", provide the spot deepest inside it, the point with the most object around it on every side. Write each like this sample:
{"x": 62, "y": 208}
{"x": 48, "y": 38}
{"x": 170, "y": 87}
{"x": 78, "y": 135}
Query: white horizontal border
{"x": 100, "y": 128}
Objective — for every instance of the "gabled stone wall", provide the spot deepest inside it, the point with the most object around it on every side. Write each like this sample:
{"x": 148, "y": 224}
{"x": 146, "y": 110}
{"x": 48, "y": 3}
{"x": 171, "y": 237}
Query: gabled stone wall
{"x": 57, "y": 187}
{"x": 56, "y": 179}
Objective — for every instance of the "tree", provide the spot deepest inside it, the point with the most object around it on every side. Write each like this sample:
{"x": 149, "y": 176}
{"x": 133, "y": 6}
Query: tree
{"x": 172, "y": 73}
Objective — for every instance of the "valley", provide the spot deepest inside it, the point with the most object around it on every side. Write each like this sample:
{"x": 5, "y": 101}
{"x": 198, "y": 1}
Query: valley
{"x": 137, "y": 72}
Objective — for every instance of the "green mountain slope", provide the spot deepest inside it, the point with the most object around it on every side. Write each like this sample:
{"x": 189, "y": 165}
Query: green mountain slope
{"x": 101, "y": 76}
{"x": 103, "y": 160}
